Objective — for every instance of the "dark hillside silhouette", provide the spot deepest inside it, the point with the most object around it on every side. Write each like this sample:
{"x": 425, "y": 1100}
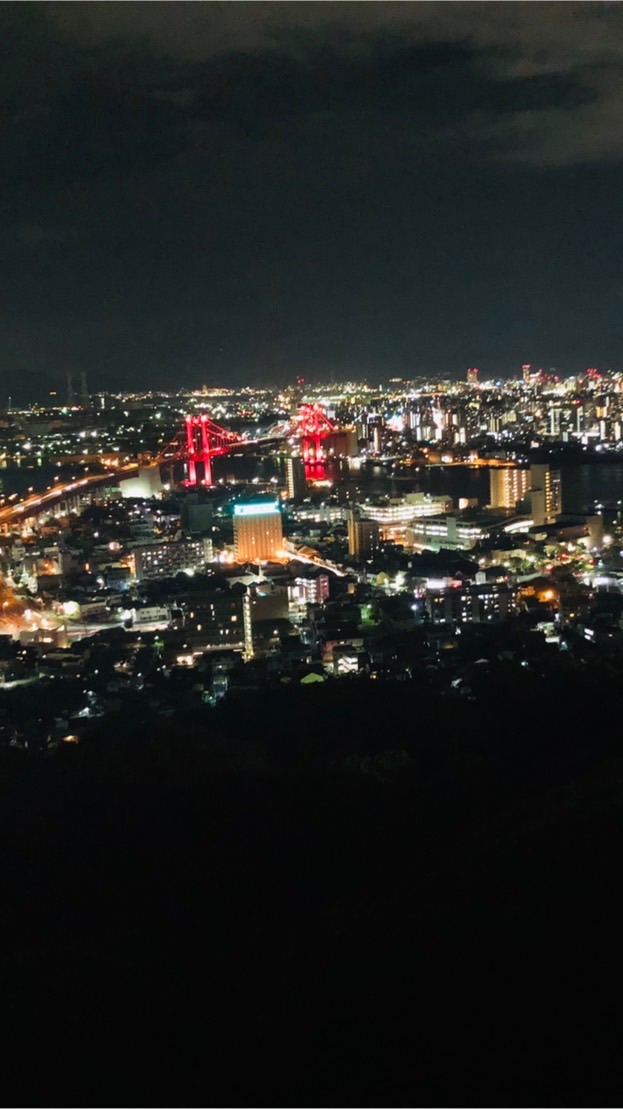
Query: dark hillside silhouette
{"x": 355, "y": 894}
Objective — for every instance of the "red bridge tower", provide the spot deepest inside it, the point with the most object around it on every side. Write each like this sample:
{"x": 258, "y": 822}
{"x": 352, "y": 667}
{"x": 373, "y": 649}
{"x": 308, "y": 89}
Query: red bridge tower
{"x": 314, "y": 427}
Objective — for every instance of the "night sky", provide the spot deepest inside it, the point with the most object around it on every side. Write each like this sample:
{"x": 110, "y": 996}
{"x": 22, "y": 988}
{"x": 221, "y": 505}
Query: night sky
{"x": 240, "y": 193}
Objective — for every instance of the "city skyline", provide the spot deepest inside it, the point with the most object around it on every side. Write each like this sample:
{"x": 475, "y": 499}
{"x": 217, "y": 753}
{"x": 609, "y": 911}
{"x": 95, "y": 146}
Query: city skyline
{"x": 213, "y": 192}
{"x": 311, "y": 552}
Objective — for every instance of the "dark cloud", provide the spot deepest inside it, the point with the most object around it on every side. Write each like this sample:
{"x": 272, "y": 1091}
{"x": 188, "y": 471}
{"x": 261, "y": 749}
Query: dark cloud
{"x": 217, "y": 190}
{"x": 514, "y": 42}
{"x": 550, "y": 75}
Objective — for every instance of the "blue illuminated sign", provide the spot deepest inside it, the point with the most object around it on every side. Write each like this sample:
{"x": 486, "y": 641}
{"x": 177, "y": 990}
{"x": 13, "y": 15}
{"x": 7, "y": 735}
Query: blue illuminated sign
{"x": 256, "y": 509}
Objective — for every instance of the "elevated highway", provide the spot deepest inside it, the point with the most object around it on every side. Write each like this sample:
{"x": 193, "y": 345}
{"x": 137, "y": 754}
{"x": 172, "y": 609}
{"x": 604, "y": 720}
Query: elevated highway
{"x": 61, "y": 494}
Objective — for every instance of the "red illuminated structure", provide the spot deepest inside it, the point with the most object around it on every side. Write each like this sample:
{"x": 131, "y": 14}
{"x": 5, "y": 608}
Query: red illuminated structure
{"x": 198, "y": 441}
{"x": 313, "y": 427}
{"x": 204, "y": 441}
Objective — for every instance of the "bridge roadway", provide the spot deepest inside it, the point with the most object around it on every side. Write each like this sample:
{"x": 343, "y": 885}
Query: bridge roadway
{"x": 37, "y": 503}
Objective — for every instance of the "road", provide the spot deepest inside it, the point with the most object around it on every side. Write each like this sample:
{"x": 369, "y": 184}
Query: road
{"x": 31, "y": 506}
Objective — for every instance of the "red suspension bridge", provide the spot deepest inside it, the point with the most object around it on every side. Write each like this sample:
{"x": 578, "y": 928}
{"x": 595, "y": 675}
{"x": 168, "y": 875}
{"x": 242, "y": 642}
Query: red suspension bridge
{"x": 199, "y": 440}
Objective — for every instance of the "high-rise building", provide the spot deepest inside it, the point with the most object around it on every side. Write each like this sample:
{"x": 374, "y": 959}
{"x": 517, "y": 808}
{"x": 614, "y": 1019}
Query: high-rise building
{"x": 507, "y": 485}
{"x": 263, "y": 603}
{"x": 375, "y": 432}
{"x": 363, "y": 535}
{"x": 545, "y": 493}
{"x": 295, "y": 477}
{"x": 472, "y": 376}
{"x": 258, "y": 531}
{"x": 539, "y": 484}
{"x": 555, "y": 417}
